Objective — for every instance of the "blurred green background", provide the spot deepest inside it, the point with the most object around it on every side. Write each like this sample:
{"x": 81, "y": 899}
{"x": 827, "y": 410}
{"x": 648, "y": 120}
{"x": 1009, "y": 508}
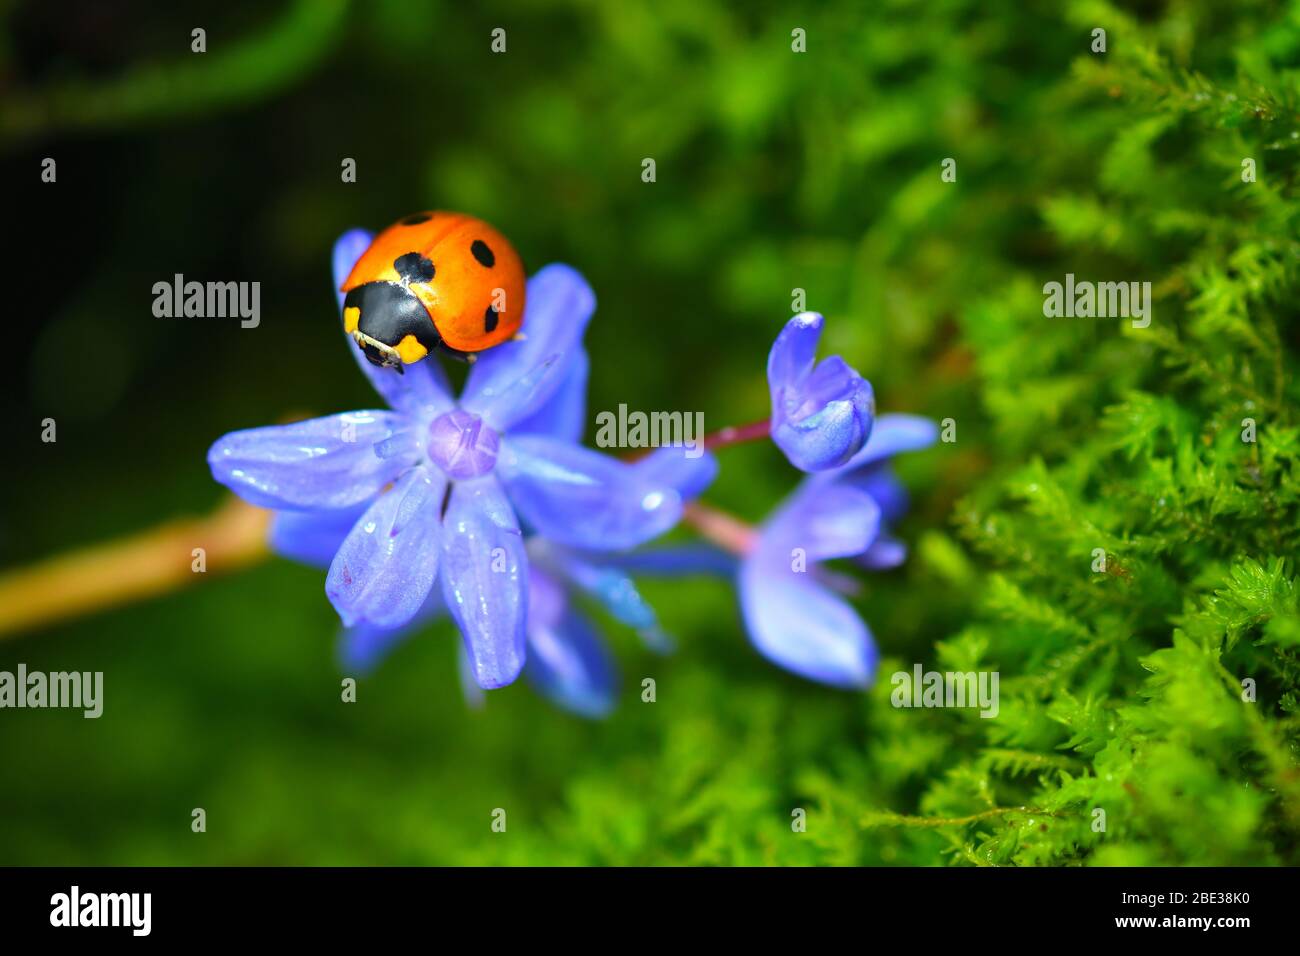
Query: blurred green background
{"x": 775, "y": 171}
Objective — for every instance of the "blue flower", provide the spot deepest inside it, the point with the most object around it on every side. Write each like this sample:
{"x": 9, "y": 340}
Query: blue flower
{"x": 433, "y": 491}
{"x": 821, "y": 411}
{"x": 871, "y": 471}
{"x": 793, "y": 616}
{"x": 566, "y": 660}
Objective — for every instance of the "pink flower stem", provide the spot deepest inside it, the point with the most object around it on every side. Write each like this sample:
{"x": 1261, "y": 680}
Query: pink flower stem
{"x": 736, "y": 434}
{"x": 725, "y": 530}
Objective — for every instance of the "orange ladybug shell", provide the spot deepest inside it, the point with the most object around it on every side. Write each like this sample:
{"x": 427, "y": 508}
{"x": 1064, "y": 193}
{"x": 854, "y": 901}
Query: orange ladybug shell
{"x": 476, "y": 296}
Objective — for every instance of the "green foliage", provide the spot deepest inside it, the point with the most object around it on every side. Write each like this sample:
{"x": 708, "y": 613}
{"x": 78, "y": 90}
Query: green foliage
{"x": 1121, "y": 690}
{"x": 1137, "y": 670}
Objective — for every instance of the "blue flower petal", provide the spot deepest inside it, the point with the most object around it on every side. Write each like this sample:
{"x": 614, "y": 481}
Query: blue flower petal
{"x": 884, "y": 554}
{"x": 324, "y": 463}
{"x": 802, "y": 626}
{"x": 559, "y": 305}
{"x": 531, "y": 390}
{"x": 821, "y": 413}
{"x": 579, "y": 497}
{"x": 363, "y": 647}
{"x": 420, "y": 389}
{"x": 822, "y": 440}
{"x": 386, "y": 567}
{"x": 564, "y": 414}
{"x": 615, "y": 590}
{"x": 794, "y": 352}
{"x": 484, "y": 579}
{"x": 567, "y": 662}
{"x": 681, "y": 469}
{"x": 824, "y": 520}
{"x": 880, "y": 482}
{"x": 672, "y": 561}
{"x": 348, "y": 248}
{"x": 547, "y": 598}
{"x": 892, "y": 435}
{"x": 312, "y": 537}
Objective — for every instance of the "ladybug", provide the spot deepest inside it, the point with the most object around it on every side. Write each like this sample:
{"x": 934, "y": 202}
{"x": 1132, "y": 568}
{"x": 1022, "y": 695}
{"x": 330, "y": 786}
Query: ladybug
{"x": 434, "y": 280}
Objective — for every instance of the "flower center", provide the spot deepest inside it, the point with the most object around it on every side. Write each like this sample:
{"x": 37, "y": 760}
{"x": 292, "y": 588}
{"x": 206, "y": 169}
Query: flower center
{"x": 461, "y": 445}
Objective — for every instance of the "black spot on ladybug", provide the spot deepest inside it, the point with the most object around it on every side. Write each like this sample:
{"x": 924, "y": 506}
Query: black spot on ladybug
{"x": 490, "y": 319}
{"x": 482, "y": 253}
{"x": 414, "y": 267}
{"x": 416, "y": 219}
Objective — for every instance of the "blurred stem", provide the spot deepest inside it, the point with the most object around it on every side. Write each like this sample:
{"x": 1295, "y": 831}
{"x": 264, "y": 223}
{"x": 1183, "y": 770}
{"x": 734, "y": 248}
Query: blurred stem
{"x": 736, "y": 434}
{"x": 726, "y": 531}
{"x": 233, "y": 72}
{"x": 143, "y": 565}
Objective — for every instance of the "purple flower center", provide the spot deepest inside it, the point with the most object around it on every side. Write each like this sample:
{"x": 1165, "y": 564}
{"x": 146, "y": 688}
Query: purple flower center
{"x": 461, "y": 445}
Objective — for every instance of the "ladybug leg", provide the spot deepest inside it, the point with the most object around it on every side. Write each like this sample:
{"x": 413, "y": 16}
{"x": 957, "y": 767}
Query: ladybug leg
{"x": 469, "y": 358}
{"x": 377, "y": 353}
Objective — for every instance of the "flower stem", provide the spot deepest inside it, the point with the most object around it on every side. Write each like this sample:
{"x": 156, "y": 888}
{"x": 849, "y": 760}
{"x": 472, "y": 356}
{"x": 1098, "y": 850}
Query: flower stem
{"x": 153, "y": 562}
{"x": 726, "y": 531}
{"x": 736, "y": 434}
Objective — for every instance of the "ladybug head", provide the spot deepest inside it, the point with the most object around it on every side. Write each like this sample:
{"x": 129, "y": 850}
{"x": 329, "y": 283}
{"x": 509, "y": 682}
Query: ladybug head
{"x": 389, "y": 323}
